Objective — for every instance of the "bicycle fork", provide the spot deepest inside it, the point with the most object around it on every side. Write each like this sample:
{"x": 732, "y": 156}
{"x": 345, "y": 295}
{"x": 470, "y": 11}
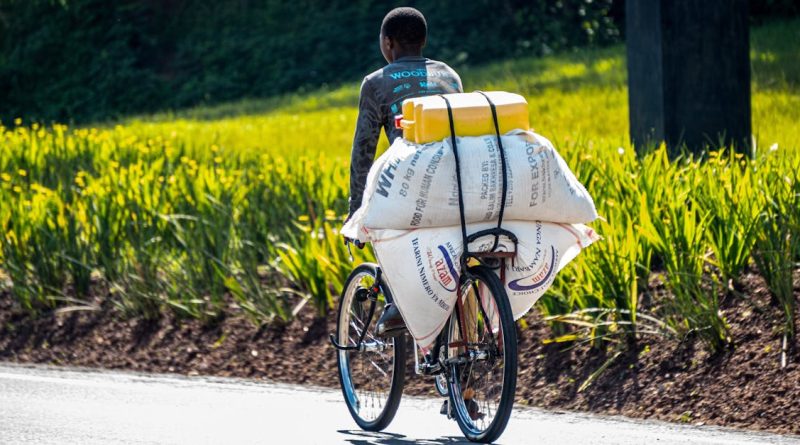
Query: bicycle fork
{"x": 370, "y": 294}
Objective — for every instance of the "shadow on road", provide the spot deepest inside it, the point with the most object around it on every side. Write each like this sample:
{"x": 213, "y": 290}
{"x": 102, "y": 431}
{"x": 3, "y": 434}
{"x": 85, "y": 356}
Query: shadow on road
{"x": 359, "y": 437}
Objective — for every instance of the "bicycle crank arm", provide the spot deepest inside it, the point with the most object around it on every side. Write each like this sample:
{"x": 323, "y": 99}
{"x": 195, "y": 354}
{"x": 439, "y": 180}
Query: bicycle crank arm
{"x": 471, "y": 356}
{"x": 364, "y": 346}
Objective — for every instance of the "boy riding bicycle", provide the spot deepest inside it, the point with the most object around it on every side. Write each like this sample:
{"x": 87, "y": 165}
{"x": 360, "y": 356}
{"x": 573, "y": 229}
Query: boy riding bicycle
{"x": 408, "y": 74}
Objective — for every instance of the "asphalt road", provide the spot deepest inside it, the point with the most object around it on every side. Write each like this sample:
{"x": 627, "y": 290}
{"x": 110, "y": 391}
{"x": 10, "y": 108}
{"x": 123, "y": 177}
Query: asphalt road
{"x": 40, "y": 405}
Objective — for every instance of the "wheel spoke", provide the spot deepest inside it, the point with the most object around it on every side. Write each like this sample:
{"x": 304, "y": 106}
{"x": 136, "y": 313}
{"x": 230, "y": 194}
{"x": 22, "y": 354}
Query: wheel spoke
{"x": 356, "y": 328}
{"x": 385, "y": 374}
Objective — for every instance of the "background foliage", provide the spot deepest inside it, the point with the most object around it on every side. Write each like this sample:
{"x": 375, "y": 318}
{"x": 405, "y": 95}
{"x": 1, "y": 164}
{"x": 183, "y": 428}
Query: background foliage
{"x": 232, "y": 200}
{"x": 89, "y": 60}
{"x": 236, "y": 207}
{"x": 80, "y": 60}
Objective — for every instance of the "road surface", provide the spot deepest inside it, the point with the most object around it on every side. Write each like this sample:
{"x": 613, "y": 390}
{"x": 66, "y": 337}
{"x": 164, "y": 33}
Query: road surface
{"x": 44, "y": 405}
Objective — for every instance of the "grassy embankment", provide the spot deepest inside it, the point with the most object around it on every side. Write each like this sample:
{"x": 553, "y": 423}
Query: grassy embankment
{"x": 176, "y": 211}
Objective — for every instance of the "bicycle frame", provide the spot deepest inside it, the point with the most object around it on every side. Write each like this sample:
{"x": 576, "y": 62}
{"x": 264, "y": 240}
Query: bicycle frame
{"x": 438, "y": 367}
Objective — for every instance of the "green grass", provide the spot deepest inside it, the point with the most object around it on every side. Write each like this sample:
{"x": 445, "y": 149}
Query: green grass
{"x": 192, "y": 211}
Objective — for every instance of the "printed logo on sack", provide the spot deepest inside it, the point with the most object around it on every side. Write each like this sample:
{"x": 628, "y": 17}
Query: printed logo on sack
{"x": 386, "y": 178}
{"x": 540, "y": 278}
{"x": 445, "y": 274}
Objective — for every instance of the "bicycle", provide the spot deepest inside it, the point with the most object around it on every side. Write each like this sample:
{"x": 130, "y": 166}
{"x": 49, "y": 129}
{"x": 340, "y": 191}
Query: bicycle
{"x": 474, "y": 358}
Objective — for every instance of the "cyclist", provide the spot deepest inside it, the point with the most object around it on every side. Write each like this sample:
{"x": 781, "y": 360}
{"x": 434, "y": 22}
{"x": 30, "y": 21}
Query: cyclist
{"x": 408, "y": 74}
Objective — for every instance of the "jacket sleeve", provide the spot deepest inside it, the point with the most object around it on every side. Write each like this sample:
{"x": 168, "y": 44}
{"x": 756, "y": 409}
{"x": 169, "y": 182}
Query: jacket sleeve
{"x": 365, "y": 142}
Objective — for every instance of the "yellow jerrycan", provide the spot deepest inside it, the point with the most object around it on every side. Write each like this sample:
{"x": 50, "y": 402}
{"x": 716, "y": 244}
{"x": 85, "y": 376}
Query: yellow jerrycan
{"x": 425, "y": 119}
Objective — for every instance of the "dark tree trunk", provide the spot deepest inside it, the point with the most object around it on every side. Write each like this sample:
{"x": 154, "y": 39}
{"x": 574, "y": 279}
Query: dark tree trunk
{"x": 689, "y": 73}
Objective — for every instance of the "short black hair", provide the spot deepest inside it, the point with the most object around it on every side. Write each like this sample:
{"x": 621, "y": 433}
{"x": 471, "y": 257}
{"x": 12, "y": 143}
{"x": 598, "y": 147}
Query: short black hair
{"x": 406, "y": 26}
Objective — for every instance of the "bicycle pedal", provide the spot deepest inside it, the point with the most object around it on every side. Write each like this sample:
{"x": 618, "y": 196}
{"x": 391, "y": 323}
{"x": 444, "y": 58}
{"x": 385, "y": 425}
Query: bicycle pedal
{"x": 432, "y": 369}
{"x": 445, "y": 409}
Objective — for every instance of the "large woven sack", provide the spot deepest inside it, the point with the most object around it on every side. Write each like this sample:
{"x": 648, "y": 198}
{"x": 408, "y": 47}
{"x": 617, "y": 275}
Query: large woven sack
{"x": 414, "y": 186}
{"x": 421, "y": 267}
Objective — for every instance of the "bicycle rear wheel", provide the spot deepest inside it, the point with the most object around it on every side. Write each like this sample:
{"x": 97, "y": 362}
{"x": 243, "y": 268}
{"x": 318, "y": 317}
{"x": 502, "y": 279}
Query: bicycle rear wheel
{"x": 482, "y": 358}
{"x": 372, "y": 379}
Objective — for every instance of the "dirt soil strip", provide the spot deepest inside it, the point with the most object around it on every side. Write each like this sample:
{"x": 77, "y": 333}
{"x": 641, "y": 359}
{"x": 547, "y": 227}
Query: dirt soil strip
{"x": 655, "y": 378}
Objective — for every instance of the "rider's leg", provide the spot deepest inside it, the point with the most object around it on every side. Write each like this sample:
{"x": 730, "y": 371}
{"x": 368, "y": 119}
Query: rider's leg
{"x": 391, "y": 321}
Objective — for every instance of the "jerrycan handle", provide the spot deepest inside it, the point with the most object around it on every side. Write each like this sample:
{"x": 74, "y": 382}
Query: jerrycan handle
{"x": 402, "y": 124}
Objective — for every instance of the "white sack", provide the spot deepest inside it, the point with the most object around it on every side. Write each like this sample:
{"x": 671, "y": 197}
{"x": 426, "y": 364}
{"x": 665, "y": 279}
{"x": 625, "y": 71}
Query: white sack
{"x": 421, "y": 267}
{"x": 414, "y": 186}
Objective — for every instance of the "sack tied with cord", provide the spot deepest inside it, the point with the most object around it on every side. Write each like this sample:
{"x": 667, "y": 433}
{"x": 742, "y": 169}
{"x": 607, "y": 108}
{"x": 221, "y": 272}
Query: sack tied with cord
{"x": 424, "y": 196}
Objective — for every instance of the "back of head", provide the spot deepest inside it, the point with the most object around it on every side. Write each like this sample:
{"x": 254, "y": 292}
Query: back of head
{"x": 406, "y": 26}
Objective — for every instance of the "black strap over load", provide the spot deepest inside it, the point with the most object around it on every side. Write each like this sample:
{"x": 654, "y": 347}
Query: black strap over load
{"x": 503, "y": 167}
{"x": 497, "y": 231}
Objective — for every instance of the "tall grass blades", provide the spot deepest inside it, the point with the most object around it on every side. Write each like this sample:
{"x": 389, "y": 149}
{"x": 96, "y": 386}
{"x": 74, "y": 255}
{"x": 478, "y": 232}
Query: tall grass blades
{"x": 676, "y": 231}
{"x": 238, "y": 207}
{"x": 317, "y": 261}
{"x": 777, "y": 246}
{"x": 733, "y": 206}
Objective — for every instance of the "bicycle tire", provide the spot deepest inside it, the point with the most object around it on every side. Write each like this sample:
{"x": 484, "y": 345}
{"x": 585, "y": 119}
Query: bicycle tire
{"x": 350, "y": 391}
{"x": 458, "y": 391}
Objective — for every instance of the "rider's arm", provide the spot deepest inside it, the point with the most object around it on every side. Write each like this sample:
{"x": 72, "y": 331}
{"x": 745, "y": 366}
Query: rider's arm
{"x": 368, "y": 130}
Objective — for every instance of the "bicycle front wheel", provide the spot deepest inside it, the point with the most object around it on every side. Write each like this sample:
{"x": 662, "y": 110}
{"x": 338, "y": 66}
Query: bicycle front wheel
{"x": 482, "y": 358}
{"x": 372, "y": 378}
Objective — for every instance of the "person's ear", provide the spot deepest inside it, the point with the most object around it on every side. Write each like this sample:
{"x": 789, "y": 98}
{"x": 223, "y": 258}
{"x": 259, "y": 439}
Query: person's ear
{"x": 424, "y": 42}
{"x": 388, "y": 43}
